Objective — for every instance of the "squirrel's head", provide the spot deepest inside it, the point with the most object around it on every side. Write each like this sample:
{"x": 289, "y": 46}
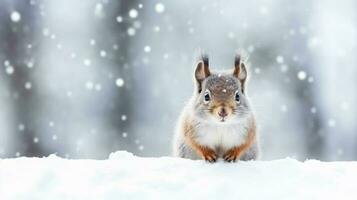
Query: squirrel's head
{"x": 221, "y": 97}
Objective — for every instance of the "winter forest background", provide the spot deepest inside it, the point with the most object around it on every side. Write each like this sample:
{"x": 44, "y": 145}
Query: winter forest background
{"x": 85, "y": 78}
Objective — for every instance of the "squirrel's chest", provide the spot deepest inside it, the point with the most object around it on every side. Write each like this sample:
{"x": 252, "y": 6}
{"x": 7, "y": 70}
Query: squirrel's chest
{"x": 223, "y": 137}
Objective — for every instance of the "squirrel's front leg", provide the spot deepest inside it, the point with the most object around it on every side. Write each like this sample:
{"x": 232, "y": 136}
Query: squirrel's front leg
{"x": 207, "y": 154}
{"x": 233, "y": 154}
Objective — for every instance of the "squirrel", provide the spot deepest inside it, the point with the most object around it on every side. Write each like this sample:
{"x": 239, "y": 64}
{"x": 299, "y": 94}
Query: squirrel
{"x": 218, "y": 121}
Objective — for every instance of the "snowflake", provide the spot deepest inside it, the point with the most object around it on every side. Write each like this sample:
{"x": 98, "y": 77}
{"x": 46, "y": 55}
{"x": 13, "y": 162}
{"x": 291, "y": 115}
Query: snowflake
{"x": 131, "y": 31}
{"x": 133, "y": 13}
{"x": 87, "y": 62}
{"x": 301, "y": 75}
{"x": 159, "y": 8}
{"x": 147, "y": 49}
{"x": 28, "y": 85}
{"x": 51, "y": 124}
{"x": 15, "y": 16}
{"x": 54, "y": 137}
{"x": 36, "y": 140}
{"x": 119, "y": 82}
{"x": 103, "y": 53}
{"x": 89, "y": 85}
{"x": 280, "y": 59}
{"x": 10, "y": 70}
{"x": 119, "y": 19}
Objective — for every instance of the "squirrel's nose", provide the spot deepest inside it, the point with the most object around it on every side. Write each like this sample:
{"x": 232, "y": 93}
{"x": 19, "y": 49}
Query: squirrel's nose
{"x": 222, "y": 113}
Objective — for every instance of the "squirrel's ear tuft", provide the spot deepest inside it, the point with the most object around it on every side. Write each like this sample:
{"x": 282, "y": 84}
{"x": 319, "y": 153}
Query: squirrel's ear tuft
{"x": 202, "y": 71}
{"x": 240, "y": 71}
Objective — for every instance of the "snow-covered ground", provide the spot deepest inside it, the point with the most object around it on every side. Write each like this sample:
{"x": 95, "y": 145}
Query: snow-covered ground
{"x": 124, "y": 176}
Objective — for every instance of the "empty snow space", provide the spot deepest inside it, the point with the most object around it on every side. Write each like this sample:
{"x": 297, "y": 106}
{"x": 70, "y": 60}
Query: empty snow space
{"x": 124, "y": 176}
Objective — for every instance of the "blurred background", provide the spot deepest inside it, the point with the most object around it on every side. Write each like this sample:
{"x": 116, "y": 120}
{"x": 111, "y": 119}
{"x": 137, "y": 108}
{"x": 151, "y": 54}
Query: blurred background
{"x": 81, "y": 79}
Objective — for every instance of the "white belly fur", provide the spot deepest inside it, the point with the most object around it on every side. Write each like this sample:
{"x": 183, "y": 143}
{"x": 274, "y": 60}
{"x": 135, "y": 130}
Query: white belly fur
{"x": 222, "y": 136}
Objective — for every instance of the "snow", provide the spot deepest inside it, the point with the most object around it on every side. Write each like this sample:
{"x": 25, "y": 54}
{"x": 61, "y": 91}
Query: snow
{"x": 301, "y": 75}
{"x": 10, "y": 70}
{"x": 89, "y": 85}
{"x": 103, "y": 53}
{"x": 313, "y": 110}
{"x": 280, "y": 59}
{"x": 133, "y": 13}
{"x": 147, "y": 49}
{"x": 123, "y": 117}
{"x": 119, "y": 82}
{"x": 124, "y": 176}
{"x": 131, "y": 31}
{"x": 28, "y": 85}
{"x": 331, "y": 123}
{"x": 36, "y": 140}
{"x": 15, "y": 16}
{"x": 119, "y": 19}
{"x": 87, "y": 62}
{"x": 159, "y": 8}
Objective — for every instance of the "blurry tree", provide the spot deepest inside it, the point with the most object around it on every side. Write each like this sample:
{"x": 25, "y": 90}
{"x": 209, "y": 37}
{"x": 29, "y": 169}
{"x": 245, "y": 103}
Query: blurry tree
{"x": 120, "y": 20}
{"x": 19, "y": 25}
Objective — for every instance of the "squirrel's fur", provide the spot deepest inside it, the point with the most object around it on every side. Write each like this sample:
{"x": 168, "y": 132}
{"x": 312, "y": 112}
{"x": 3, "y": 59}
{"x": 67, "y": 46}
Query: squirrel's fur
{"x": 218, "y": 121}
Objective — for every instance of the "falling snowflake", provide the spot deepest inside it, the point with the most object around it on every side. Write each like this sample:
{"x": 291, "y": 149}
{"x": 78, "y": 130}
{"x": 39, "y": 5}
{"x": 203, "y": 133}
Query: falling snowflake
{"x": 147, "y": 49}
{"x": 54, "y": 137}
{"x": 123, "y": 117}
{"x": 331, "y": 123}
{"x": 30, "y": 64}
{"x": 119, "y": 82}
{"x": 313, "y": 110}
{"x": 284, "y": 108}
{"x": 98, "y": 87}
{"x": 51, "y": 124}
{"x": 28, "y": 85}
{"x": 46, "y": 32}
{"x": 284, "y": 68}
{"x": 301, "y": 75}
{"x": 21, "y": 127}
{"x": 103, "y": 53}
{"x": 10, "y": 70}
{"x": 131, "y": 31}
{"x": 15, "y": 16}
{"x": 89, "y": 85}
{"x": 133, "y": 13}
{"x": 92, "y": 42}
{"x": 280, "y": 59}
{"x": 156, "y": 28}
{"x": 141, "y": 147}
{"x": 36, "y": 140}
{"x": 119, "y": 19}
{"x": 87, "y": 62}
{"x": 159, "y": 8}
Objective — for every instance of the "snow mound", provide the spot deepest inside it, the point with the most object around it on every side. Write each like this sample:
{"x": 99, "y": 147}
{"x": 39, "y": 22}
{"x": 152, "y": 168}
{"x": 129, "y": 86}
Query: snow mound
{"x": 125, "y": 176}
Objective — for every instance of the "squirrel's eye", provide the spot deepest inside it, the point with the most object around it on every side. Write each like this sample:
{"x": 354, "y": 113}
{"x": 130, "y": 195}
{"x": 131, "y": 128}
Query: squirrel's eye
{"x": 237, "y": 97}
{"x": 206, "y": 97}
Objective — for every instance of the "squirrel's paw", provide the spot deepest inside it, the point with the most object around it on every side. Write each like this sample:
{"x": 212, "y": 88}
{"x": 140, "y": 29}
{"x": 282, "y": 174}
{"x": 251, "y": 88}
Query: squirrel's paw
{"x": 231, "y": 155}
{"x": 209, "y": 155}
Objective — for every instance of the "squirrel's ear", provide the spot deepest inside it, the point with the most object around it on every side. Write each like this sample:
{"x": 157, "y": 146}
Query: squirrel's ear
{"x": 201, "y": 72}
{"x": 240, "y": 71}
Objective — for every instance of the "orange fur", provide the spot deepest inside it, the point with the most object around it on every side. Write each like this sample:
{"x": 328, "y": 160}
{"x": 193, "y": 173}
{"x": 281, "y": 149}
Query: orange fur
{"x": 206, "y": 153}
